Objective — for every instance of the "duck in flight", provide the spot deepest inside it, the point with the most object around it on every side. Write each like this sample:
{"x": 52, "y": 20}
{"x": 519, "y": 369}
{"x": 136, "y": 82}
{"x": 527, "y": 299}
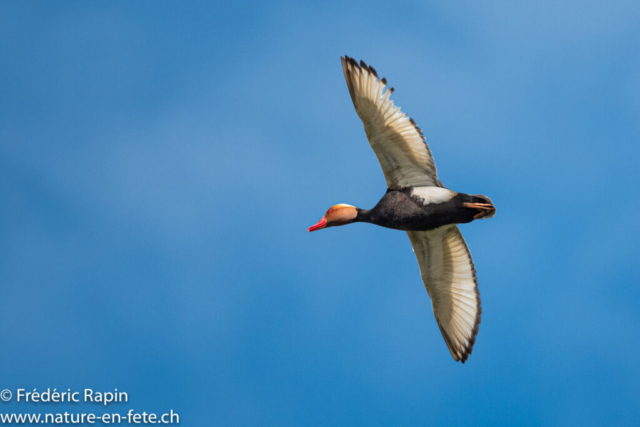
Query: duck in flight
{"x": 418, "y": 203}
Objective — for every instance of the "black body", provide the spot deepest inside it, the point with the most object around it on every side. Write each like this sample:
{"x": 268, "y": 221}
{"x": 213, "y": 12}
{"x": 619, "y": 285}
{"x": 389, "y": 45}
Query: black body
{"x": 399, "y": 210}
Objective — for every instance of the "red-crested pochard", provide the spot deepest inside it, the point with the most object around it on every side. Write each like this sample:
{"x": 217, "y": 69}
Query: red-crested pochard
{"x": 417, "y": 202}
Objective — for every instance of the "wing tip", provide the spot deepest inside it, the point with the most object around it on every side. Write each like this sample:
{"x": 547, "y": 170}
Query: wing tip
{"x": 462, "y": 354}
{"x": 361, "y": 67}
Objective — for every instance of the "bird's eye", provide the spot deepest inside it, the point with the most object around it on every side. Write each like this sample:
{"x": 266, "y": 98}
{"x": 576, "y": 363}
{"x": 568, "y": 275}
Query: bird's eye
{"x": 330, "y": 210}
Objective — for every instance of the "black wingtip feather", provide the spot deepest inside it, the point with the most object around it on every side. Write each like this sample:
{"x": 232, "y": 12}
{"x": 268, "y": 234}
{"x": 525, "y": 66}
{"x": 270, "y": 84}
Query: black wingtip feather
{"x": 363, "y": 66}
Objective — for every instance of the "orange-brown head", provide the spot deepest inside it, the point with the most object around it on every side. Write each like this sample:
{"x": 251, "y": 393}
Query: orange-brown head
{"x": 336, "y": 215}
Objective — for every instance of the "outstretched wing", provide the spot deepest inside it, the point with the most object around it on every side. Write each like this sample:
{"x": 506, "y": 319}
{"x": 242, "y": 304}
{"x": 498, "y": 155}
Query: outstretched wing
{"x": 395, "y": 138}
{"x": 448, "y": 274}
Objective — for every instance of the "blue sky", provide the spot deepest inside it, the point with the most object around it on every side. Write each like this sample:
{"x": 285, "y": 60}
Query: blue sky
{"x": 160, "y": 163}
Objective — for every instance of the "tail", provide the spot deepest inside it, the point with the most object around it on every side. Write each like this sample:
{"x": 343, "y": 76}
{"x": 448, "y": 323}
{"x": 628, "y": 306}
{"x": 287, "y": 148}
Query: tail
{"x": 479, "y": 198}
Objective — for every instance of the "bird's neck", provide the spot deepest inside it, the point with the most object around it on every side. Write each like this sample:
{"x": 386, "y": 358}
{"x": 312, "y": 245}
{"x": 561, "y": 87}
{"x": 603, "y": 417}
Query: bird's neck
{"x": 364, "y": 215}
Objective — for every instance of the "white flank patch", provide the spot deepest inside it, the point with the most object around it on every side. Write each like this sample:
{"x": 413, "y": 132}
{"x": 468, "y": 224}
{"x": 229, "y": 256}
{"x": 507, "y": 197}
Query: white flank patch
{"x": 433, "y": 194}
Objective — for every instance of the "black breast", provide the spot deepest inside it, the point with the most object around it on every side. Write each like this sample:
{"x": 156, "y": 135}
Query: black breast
{"x": 399, "y": 210}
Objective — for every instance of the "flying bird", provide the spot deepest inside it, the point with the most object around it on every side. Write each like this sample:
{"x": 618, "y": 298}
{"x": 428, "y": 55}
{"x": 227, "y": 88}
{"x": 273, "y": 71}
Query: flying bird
{"x": 418, "y": 203}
